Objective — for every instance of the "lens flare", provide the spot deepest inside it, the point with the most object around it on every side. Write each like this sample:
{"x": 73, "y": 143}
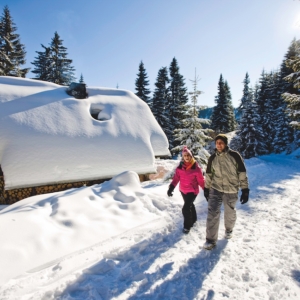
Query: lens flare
{"x": 297, "y": 23}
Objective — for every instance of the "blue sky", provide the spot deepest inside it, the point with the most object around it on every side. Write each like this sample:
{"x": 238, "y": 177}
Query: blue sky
{"x": 108, "y": 39}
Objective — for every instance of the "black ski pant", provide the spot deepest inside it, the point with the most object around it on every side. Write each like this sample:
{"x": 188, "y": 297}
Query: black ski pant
{"x": 189, "y": 210}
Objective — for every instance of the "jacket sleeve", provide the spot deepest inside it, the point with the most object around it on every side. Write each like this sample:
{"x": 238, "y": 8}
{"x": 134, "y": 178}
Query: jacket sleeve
{"x": 243, "y": 178}
{"x": 176, "y": 178}
{"x": 209, "y": 172}
{"x": 201, "y": 179}
{"x": 241, "y": 170}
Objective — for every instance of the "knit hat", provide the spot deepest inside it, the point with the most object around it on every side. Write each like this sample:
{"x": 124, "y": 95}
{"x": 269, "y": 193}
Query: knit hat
{"x": 222, "y": 137}
{"x": 186, "y": 150}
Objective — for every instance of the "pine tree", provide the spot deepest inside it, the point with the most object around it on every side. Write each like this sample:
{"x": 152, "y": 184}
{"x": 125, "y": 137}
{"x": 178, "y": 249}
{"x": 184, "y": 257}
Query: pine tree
{"x": 272, "y": 106}
{"x": 12, "y": 52}
{"x": 141, "y": 84}
{"x": 52, "y": 64}
{"x": 222, "y": 118}
{"x": 293, "y": 100}
{"x": 265, "y": 110}
{"x": 5, "y": 63}
{"x": 246, "y": 92}
{"x": 42, "y": 64}
{"x": 286, "y": 68}
{"x": 248, "y": 130}
{"x": 269, "y": 105}
{"x": 161, "y": 97}
{"x": 274, "y": 117}
{"x": 230, "y": 109}
{"x": 246, "y": 98}
{"x": 249, "y": 133}
{"x": 62, "y": 72}
{"x": 81, "y": 80}
{"x": 177, "y": 106}
{"x": 192, "y": 134}
{"x": 284, "y": 135}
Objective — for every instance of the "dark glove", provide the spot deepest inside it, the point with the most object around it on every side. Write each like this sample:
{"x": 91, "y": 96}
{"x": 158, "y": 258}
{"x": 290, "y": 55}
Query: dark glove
{"x": 206, "y": 193}
{"x": 170, "y": 190}
{"x": 245, "y": 196}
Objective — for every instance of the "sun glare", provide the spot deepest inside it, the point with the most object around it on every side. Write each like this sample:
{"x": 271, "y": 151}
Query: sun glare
{"x": 297, "y": 23}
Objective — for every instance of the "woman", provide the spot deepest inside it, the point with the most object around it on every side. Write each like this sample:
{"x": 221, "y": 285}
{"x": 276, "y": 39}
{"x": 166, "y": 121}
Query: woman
{"x": 190, "y": 176}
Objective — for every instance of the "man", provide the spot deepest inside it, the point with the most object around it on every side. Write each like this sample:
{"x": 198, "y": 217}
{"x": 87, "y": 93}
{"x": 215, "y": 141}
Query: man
{"x": 225, "y": 174}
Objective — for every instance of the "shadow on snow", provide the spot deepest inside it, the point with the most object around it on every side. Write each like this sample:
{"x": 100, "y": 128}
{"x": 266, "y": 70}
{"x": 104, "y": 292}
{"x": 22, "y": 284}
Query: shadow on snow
{"x": 129, "y": 271}
{"x": 188, "y": 281}
{"x": 296, "y": 276}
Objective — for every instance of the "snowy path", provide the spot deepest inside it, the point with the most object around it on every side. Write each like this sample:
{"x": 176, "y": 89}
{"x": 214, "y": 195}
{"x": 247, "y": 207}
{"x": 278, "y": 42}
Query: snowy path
{"x": 156, "y": 261}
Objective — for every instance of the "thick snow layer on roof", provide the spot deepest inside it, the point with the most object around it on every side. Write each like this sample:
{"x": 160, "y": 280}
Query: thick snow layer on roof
{"x": 47, "y": 136}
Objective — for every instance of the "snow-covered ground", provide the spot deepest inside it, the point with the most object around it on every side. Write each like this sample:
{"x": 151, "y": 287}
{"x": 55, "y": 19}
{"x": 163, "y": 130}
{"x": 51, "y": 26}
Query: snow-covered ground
{"x": 123, "y": 240}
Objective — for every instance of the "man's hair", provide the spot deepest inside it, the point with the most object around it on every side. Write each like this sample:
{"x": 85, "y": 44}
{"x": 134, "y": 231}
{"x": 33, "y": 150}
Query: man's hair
{"x": 222, "y": 137}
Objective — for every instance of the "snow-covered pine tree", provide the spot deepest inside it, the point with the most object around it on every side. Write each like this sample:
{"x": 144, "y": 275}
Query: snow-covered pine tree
{"x": 12, "y": 52}
{"x": 240, "y": 139}
{"x": 272, "y": 119}
{"x": 284, "y": 135}
{"x": 272, "y": 108}
{"x": 221, "y": 119}
{"x": 249, "y": 134}
{"x": 177, "y": 106}
{"x": 62, "y": 72}
{"x": 293, "y": 100}
{"x": 42, "y": 64}
{"x": 231, "y": 117}
{"x": 286, "y": 69}
{"x": 265, "y": 111}
{"x": 161, "y": 97}
{"x": 141, "y": 85}
{"x": 192, "y": 134}
{"x": 5, "y": 63}
{"x": 261, "y": 147}
{"x": 246, "y": 91}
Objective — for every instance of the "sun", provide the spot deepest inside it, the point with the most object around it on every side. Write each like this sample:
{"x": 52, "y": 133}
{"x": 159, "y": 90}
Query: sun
{"x": 297, "y": 23}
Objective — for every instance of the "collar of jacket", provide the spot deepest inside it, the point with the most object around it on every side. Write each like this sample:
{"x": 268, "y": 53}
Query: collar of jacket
{"x": 226, "y": 150}
{"x": 182, "y": 163}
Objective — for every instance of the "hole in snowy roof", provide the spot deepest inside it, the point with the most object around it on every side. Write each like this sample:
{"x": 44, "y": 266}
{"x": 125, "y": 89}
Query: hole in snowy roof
{"x": 95, "y": 113}
{"x": 98, "y": 113}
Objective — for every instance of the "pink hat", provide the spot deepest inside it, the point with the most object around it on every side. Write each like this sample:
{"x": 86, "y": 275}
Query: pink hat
{"x": 186, "y": 150}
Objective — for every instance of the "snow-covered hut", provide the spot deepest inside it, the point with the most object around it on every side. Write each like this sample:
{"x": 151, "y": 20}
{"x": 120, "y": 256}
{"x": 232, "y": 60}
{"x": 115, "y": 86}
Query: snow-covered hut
{"x": 52, "y": 140}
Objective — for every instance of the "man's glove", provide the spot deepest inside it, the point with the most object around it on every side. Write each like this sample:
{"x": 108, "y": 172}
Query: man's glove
{"x": 170, "y": 190}
{"x": 244, "y": 196}
{"x": 206, "y": 193}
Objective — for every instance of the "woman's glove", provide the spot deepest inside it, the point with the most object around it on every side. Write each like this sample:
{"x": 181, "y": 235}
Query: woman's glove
{"x": 245, "y": 196}
{"x": 170, "y": 190}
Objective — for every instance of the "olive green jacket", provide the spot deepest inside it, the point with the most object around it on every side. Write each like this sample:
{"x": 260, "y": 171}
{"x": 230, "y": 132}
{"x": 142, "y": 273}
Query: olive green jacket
{"x": 226, "y": 172}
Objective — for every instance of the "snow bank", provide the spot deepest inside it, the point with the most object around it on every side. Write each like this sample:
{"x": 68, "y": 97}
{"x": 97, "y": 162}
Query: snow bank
{"x": 43, "y": 228}
{"x": 47, "y": 136}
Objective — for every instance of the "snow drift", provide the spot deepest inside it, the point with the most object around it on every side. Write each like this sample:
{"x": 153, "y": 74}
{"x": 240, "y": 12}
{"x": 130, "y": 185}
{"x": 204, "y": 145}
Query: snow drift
{"x": 46, "y": 227}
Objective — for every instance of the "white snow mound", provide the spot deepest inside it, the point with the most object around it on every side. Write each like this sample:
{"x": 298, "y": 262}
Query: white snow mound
{"x": 46, "y": 227}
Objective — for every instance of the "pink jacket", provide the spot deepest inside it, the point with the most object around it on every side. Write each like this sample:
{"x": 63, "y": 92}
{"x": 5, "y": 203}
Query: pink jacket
{"x": 190, "y": 179}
